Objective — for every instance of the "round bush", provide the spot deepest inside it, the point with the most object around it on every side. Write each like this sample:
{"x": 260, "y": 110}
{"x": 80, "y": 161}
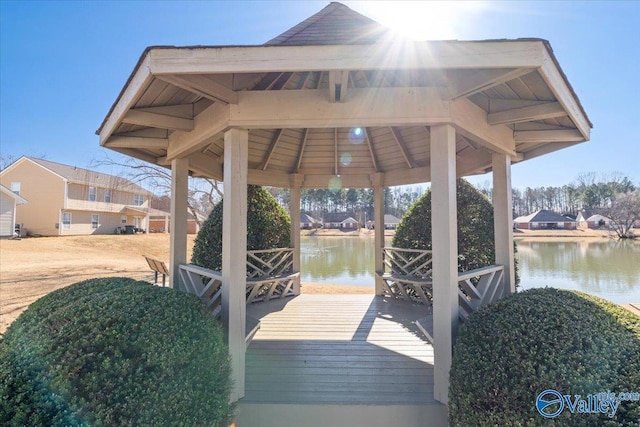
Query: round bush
{"x": 268, "y": 227}
{"x": 114, "y": 352}
{"x": 476, "y": 246}
{"x": 509, "y": 352}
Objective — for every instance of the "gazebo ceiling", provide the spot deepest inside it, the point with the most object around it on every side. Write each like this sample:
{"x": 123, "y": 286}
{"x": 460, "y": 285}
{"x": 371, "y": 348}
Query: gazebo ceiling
{"x": 338, "y": 97}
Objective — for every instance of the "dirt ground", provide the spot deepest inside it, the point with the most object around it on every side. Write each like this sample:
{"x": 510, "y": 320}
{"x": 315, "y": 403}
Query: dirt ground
{"x": 32, "y": 267}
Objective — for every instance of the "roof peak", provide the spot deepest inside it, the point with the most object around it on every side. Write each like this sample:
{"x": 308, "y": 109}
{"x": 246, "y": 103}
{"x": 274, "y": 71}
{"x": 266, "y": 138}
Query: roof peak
{"x": 334, "y": 24}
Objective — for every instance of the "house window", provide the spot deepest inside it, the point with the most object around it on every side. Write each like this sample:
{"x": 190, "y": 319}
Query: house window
{"x": 15, "y": 187}
{"x": 107, "y": 196}
{"x": 92, "y": 194}
{"x": 66, "y": 220}
{"x": 95, "y": 221}
{"x": 138, "y": 199}
{"x": 123, "y": 219}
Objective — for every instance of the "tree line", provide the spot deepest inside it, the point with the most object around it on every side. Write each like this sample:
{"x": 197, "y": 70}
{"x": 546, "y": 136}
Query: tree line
{"x": 588, "y": 191}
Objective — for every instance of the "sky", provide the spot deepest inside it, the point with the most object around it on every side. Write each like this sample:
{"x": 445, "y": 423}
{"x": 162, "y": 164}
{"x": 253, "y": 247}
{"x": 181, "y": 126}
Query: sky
{"x": 63, "y": 64}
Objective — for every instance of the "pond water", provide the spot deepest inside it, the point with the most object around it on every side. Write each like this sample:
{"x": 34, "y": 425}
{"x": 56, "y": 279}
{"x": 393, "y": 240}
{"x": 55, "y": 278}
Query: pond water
{"x": 609, "y": 269}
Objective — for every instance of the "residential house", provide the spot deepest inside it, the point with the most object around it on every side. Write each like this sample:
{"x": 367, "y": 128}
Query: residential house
{"x": 8, "y": 202}
{"x": 159, "y": 221}
{"x": 68, "y": 200}
{"x": 391, "y": 222}
{"x": 544, "y": 220}
{"x": 593, "y": 218}
{"x": 308, "y": 222}
{"x": 341, "y": 220}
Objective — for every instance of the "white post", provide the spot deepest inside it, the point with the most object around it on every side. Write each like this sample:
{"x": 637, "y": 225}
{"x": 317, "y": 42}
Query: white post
{"x": 294, "y": 212}
{"x": 503, "y": 219}
{"x": 445, "y": 254}
{"x": 234, "y": 252}
{"x": 178, "y": 239}
{"x": 147, "y": 220}
{"x": 166, "y": 223}
{"x": 378, "y": 228}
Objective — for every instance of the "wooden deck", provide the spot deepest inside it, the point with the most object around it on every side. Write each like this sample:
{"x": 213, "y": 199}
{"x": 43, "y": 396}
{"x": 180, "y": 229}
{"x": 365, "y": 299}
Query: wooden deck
{"x": 338, "y": 350}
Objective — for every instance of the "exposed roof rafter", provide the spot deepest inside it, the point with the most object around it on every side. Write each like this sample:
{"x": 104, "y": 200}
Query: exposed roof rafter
{"x": 547, "y": 110}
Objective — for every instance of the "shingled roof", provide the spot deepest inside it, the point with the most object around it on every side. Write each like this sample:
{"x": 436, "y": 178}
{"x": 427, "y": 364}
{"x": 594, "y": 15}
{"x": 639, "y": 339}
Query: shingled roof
{"x": 543, "y": 215}
{"x": 335, "y": 24}
{"x": 88, "y": 177}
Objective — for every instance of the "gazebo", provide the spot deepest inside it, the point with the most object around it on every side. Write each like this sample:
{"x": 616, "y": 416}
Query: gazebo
{"x": 338, "y": 101}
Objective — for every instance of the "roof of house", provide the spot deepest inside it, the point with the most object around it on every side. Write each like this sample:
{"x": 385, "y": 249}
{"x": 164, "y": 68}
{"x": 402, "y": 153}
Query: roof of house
{"x": 338, "y": 217}
{"x": 85, "y": 176}
{"x": 391, "y": 219}
{"x": 335, "y": 24}
{"x": 19, "y": 200}
{"x": 308, "y": 219}
{"x": 592, "y": 212}
{"x": 543, "y": 215}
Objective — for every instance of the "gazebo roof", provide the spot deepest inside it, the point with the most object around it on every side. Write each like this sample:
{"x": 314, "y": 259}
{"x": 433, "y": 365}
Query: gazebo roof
{"x": 338, "y": 98}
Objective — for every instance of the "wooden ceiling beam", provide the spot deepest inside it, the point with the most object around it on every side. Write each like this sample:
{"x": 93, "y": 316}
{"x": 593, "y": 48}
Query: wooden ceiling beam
{"x": 272, "y": 148}
{"x": 212, "y": 121}
{"x": 338, "y": 85}
{"x": 301, "y": 109}
{"x": 302, "y": 147}
{"x": 566, "y": 135}
{"x": 372, "y": 153}
{"x": 202, "y": 86}
{"x": 548, "y": 110}
{"x": 155, "y": 120}
{"x": 402, "y": 146}
{"x": 464, "y": 83}
{"x": 137, "y": 142}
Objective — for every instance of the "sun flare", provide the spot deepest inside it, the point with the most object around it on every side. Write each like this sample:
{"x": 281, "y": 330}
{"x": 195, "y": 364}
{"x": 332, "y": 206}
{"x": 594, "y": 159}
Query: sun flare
{"x": 422, "y": 20}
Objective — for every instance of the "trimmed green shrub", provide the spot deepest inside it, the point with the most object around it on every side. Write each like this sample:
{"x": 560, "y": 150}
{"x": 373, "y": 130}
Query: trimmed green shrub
{"x": 268, "y": 227}
{"x": 476, "y": 241}
{"x": 509, "y": 352}
{"x": 115, "y": 352}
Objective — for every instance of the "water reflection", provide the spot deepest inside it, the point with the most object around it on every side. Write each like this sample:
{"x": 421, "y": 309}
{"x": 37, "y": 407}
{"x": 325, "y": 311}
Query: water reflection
{"x": 609, "y": 269}
{"x": 344, "y": 261}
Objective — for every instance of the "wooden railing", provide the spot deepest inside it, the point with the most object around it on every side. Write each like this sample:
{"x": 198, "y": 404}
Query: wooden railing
{"x": 479, "y": 287}
{"x": 205, "y": 284}
{"x": 408, "y": 276}
{"x": 269, "y": 262}
{"x": 408, "y": 262}
{"x": 270, "y": 274}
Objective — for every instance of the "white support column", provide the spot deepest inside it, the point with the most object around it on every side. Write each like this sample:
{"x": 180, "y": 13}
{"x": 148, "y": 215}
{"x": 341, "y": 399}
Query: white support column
{"x": 378, "y": 221}
{"x": 445, "y": 254}
{"x": 147, "y": 221}
{"x": 178, "y": 238}
{"x": 166, "y": 223}
{"x": 503, "y": 219}
{"x": 294, "y": 212}
{"x": 234, "y": 252}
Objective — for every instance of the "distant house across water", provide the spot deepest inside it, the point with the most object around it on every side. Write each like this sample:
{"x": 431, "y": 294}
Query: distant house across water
{"x": 341, "y": 220}
{"x": 545, "y": 220}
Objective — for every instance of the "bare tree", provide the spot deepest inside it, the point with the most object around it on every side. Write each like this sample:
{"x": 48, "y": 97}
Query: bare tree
{"x": 625, "y": 213}
{"x": 203, "y": 192}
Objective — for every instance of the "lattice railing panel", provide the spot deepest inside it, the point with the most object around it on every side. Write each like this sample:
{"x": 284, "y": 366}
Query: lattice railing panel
{"x": 269, "y": 263}
{"x": 408, "y": 262}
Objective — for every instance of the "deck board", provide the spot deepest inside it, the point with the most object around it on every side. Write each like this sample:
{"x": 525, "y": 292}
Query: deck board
{"x": 339, "y": 349}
